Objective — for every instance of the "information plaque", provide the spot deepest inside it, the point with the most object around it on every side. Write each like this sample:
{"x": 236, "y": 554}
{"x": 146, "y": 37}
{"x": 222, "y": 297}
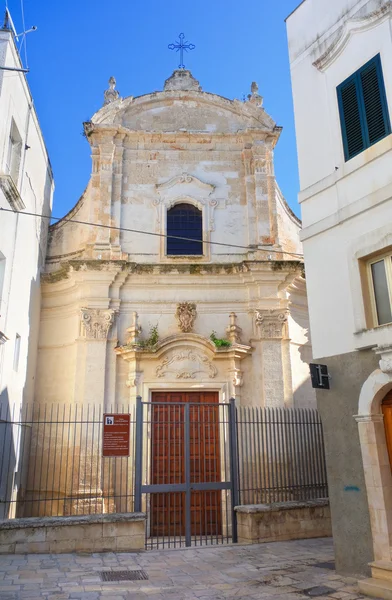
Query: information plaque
{"x": 116, "y": 434}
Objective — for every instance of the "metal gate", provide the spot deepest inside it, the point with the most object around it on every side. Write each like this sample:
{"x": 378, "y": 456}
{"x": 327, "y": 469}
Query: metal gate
{"x": 186, "y": 469}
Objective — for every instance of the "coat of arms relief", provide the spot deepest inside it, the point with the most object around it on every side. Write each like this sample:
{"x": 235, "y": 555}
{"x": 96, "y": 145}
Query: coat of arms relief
{"x": 186, "y": 315}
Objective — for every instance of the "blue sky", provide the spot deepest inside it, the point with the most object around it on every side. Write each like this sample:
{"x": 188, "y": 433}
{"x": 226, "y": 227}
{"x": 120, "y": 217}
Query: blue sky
{"x": 79, "y": 45}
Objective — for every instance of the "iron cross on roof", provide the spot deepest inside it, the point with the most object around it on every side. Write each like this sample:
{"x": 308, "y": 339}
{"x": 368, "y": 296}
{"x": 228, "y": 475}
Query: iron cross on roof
{"x": 181, "y": 46}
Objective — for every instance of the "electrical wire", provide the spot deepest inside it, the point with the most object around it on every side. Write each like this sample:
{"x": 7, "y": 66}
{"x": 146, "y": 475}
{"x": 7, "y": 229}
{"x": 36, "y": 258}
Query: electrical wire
{"x": 153, "y": 233}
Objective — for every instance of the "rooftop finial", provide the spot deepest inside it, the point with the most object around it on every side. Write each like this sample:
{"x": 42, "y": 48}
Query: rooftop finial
{"x": 180, "y": 46}
{"x": 110, "y": 95}
{"x": 254, "y": 96}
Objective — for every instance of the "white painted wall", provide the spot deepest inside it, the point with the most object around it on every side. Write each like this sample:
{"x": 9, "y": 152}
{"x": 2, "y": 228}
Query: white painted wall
{"x": 343, "y": 204}
{"x": 22, "y": 238}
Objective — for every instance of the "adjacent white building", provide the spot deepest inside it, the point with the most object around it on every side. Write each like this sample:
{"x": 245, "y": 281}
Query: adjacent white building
{"x": 341, "y": 69}
{"x": 26, "y": 185}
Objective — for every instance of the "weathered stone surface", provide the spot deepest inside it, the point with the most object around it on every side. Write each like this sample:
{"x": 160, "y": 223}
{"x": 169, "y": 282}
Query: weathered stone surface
{"x": 283, "y": 521}
{"x": 89, "y": 533}
{"x": 283, "y": 570}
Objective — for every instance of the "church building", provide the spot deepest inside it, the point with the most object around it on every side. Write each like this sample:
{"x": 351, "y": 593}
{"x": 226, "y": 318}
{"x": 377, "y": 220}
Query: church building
{"x": 180, "y": 267}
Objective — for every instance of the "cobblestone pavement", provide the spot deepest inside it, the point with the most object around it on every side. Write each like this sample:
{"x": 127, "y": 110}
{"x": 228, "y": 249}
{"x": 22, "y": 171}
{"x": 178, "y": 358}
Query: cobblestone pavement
{"x": 268, "y": 571}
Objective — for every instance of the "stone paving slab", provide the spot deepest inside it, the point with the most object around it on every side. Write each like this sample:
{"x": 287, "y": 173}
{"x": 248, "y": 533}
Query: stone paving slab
{"x": 273, "y": 571}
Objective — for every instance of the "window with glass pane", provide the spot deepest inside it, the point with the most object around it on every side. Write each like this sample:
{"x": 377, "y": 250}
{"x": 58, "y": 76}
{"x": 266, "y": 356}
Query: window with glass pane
{"x": 382, "y": 288}
{"x": 184, "y": 221}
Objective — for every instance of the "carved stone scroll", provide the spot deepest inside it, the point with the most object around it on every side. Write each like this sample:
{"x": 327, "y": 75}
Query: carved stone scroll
{"x": 186, "y": 364}
{"x": 385, "y": 353}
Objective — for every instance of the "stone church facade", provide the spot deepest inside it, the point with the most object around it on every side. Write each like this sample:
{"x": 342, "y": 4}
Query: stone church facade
{"x": 128, "y": 313}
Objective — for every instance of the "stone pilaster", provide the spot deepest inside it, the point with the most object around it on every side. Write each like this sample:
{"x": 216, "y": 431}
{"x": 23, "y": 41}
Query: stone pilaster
{"x": 116, "y": 195}
{"x": 90, "y": 390}
{"x": 247, "y": 159}
{"x": 271, "y": 325}
{"x": 263, "y": 169}
{"x": 271, "y": 187}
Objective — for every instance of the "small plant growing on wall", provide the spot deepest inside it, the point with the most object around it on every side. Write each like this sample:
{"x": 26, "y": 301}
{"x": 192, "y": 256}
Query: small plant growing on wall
{"x": 219, "y": 342}
{"x": 152, "y": 339}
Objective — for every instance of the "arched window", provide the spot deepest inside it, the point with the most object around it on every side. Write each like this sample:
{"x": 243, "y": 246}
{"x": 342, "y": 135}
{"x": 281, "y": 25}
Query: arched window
{"x": 185, "y": 221}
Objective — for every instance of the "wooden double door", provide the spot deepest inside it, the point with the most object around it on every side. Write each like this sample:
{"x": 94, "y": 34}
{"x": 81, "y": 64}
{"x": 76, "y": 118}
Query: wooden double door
{"x": 169, "y": 436}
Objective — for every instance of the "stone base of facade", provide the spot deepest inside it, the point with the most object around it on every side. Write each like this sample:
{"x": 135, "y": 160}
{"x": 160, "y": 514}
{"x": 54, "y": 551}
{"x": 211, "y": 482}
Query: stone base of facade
{"x": 380, "y": 584}
{"x": 345, "y": 472}
{"x": 90, "y": 533}
{"x": 259, "y": 523}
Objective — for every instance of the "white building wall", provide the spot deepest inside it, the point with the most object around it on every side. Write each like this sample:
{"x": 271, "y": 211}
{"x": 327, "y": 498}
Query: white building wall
{"x": 22, "y": 238}
{"x": 341, "y": 202}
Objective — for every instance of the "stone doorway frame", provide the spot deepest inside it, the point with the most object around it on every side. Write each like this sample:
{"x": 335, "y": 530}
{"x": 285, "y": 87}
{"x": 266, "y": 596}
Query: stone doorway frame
{"x": 376, "y": 465}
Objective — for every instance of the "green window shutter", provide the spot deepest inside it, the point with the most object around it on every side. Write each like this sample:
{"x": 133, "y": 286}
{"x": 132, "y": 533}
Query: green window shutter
{"x": 374, "y": 101}
{"x": 350, "y": 118}
{"x": 363, "y": 108}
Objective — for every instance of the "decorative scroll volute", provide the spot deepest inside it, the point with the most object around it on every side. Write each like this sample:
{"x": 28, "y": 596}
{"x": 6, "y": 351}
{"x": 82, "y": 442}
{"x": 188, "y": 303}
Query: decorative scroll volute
{"x": 186, "y": 364}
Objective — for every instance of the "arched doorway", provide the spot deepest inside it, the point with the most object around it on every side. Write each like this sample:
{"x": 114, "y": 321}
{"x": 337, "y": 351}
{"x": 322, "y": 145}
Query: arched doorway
{"x": 386, "y": 407}
{"x": 375, "y": 433}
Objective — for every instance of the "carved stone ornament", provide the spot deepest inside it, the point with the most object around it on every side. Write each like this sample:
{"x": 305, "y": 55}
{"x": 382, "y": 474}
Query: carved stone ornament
{"x": 97, "y": 322}
{"x": 270, "y": 322}
{"x": 186, "y": 364}
{"x": 182, "y": 79}
{"x": 254, "y": 97}
{"x": 186, "y": 178}
{"x": 110, "y": 95}
{"x": 233, "y": 331}
{"x": 186, "y": 315}
{"x": 385, "y": 353}
{"x": 134, "y": 330}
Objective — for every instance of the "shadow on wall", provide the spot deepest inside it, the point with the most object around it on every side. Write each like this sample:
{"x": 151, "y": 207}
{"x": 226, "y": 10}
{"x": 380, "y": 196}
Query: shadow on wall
{"x": 15, "y": 437}
{"x": 7, "y": 455}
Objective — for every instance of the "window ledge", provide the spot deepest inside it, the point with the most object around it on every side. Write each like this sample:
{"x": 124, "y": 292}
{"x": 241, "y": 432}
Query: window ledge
{"x": 185, "y": 256}
{"x": 10, "y": 191}
{"x": 377, "y": 336}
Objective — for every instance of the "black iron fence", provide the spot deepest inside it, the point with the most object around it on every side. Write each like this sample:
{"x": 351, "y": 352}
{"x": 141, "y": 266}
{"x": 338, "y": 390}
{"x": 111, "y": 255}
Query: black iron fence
{"x": 280, "y": 455}
{"x": 51, "y": 459}
{"x": 51, "y": 462}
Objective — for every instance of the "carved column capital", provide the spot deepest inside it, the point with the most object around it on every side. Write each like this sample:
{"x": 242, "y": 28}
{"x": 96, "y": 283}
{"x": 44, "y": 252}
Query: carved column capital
{"x": 271, "y": 323}
{"x": 97, "y": 322}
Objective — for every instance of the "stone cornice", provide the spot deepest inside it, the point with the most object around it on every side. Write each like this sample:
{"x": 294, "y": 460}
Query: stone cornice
{"x": 238, "y": 351}
{"x": 350, "y": 28}
{"x": 67, "y": 267}
{"x": 107, "y": 132}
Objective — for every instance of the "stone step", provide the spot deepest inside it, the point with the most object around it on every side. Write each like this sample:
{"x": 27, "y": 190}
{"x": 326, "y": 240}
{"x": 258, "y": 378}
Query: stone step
{"x": 381, "y": 569}
{"x": 378, "y": 588}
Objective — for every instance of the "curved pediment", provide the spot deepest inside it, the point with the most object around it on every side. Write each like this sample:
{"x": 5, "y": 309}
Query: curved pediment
{"x": 347, "y": 31}
{"x": 184, "y": 185}
{"x": 191, "y": 111}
